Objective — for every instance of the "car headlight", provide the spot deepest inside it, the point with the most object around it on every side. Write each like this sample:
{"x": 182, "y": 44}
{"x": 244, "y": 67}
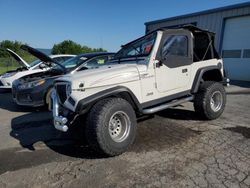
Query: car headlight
{"x": 6, "y": 75}
{"x": 31, "y": 84}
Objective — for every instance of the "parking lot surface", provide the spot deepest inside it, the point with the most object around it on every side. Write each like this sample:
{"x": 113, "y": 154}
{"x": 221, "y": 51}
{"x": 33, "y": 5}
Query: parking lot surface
{"x": 173, "y": 148}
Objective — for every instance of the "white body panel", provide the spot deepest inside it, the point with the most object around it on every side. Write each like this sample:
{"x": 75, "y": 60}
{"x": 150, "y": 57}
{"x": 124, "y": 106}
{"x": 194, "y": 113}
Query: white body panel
{"x": 138, "y": 78}
{"x": 143, "y": 80}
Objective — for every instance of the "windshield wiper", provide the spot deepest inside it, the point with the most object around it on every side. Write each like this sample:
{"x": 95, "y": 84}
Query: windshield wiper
{"x": 136, "y": 56}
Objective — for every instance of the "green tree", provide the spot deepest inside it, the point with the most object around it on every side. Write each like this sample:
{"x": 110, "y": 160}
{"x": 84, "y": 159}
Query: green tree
{"x": 71, "y": 47}
{"x": 16, "y": 47}
{"x": 13, "y": 45}
{"x": 67, "y": 47}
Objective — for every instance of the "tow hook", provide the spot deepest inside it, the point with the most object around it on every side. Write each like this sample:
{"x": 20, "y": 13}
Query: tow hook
{"x": 226, "y": 82}
{"x": 59, "y": 121}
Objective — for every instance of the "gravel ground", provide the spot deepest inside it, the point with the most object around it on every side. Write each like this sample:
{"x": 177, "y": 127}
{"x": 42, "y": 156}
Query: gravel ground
{"x": 174, "y": 148}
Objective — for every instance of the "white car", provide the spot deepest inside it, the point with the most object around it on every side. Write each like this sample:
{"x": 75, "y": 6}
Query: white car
{"x": 36, "y": 66}
{"x": 160, "y": 70}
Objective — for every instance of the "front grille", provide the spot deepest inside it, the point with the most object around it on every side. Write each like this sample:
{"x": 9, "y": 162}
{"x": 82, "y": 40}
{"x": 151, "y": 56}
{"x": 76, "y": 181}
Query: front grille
{"x": 71, "y": 101}
{"x": 24, "y": 98}
{"x": 61, "y": 92}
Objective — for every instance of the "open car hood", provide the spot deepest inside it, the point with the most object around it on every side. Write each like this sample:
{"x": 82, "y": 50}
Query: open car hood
{"x": 44, "y": 58}
{"x": 18, "y": 58}
{"x": 37, "y": 53}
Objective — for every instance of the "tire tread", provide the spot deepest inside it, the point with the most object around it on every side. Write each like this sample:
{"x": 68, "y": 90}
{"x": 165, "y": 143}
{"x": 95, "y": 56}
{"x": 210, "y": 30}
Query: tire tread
{"x": 200, "y": 101}
{"x": 94, "y": 132}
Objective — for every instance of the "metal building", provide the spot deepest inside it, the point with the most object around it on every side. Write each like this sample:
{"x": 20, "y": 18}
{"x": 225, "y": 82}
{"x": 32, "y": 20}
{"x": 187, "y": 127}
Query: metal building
{"x": 232, "y": 27}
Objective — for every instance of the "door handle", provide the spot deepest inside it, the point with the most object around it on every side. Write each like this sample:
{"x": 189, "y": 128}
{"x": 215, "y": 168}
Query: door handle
{"x": 184, "y": 70}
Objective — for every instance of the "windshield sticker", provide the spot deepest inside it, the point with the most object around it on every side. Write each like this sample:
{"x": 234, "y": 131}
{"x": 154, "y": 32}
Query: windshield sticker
{"x": 101, "y": 61}
{"x": 83, "y": 58}
{"x": 70, "y": 66}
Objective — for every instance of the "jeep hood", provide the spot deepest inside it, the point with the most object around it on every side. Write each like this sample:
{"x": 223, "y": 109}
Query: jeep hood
{"x": 105, "y": 75}
{"x": 18, "y": 58}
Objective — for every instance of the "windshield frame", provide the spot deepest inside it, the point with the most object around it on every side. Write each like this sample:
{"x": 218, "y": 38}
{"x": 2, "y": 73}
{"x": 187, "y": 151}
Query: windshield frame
{"x": 150, "y": 37}
{"x": 68, "y": 70}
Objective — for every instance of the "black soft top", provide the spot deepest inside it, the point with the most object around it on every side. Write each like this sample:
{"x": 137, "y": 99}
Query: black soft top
{"x": 188, "y": 27}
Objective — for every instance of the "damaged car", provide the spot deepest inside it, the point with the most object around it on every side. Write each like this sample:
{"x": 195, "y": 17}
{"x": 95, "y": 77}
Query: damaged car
{"x": 25, "y": 68}
{"x": 35, "y": 89}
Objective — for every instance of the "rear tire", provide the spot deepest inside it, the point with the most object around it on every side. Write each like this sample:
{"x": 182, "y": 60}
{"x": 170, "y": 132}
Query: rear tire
{"x": 210, "y": 100}
{"x": 111, "y": 126}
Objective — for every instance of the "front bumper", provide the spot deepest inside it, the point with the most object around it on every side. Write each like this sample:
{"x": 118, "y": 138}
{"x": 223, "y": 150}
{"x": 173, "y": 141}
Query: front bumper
{"x": 33, "y": 97}
{"x": 60, "y": 122}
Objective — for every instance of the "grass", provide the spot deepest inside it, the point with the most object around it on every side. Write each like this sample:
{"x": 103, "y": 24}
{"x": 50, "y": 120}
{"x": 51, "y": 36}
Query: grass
{"x": 5, "y": 69}
{"x": 7, "y": 64}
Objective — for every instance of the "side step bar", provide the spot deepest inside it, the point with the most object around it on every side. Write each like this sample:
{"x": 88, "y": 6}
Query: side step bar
{"x": 167, "y": 105}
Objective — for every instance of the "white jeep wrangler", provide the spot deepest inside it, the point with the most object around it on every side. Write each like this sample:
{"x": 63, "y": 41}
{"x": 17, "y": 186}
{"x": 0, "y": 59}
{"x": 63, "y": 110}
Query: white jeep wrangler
{"x": 157, "y": 71}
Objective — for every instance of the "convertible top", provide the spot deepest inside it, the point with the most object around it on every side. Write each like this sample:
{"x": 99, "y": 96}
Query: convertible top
{"x": 188, "y": 27}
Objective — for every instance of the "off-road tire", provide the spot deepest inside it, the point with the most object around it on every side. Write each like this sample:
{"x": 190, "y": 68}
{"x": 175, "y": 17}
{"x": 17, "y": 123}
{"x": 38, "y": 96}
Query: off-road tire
{"x": 202, "y": 101}
{"x": 98, "y": 126}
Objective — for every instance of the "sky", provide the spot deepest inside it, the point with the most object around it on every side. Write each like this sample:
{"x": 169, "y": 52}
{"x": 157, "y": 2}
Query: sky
{"x": 104, "y": 23}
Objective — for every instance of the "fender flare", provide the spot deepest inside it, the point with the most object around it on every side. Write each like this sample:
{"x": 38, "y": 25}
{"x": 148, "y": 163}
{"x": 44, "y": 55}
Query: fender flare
{"x": 200, "y": 73}
{"x": 85, "y": 104}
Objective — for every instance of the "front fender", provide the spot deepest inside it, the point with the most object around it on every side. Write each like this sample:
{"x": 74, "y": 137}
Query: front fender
{"x": 119, "y": 91}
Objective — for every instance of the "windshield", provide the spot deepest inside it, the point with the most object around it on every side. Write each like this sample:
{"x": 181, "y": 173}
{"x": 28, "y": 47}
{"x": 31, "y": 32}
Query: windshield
{"x": 72, "y": 63}
{"x": 34, "y": 63}
{"x": 138, "y": 48}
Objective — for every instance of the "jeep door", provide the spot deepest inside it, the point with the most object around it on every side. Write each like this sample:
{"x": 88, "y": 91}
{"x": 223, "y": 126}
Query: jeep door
{"x": 175, "y": 59}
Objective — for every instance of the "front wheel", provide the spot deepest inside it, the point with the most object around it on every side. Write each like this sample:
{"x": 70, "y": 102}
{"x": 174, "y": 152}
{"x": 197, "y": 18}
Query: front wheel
{"x": 111, "y": 126}
{"x": 210, "y": 100}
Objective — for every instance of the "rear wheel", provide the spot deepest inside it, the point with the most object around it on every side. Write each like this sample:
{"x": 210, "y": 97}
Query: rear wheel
{"x": 111, "y": 126}
{"x": 210, "y": 100}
